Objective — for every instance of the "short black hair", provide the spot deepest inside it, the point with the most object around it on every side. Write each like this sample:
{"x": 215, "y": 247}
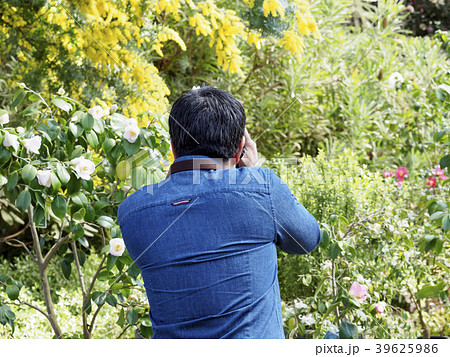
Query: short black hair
{"x": 207, "y": 121}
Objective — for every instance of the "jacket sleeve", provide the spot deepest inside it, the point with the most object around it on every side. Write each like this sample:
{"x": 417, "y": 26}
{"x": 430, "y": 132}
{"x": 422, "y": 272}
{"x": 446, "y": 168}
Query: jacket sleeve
{"x": 297, "y": 231}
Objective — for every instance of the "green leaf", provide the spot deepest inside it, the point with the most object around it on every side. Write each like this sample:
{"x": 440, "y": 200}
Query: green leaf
{"x": 440, "y": 94}
{"x": 12, "y": 291}
{"x": 426, "y": 291}
{"x": 5, "y": 155}
{"x": 105, "y": 221}
{"x": 66, "y": 268}
{"x": 108, "y": 144}
{"x": 62, "y": 173}
{"x": 62, "y": 104}
{"x": 38, "y": 215}
{"x": 79, "y": 215}
{"x": 59, "y": 207}
{"x": 99, "y": 205}
{"x": 79, "y": 199}
{"x": 438, "y": 246}
{"x": 130, "y": 148}
{"x": 132, "y": 316}
{"x": 348, "y": 330}
{"x": 99, "y": 298}
{"x": 87, "y": 121}
{"x": 30, "y": 111}
{"x": 146, "y": 331}
{"x": 437, "y": 215}
{"x": 105, "y": 249}
{"x": 81, "y": 257}
{"x": 33, "y": 98}
{"x": 8, "y": 312}
{"x": 90, "y": 214}
{"x": 444, "y": 87}
{"x": 119, "y": 122}
{"x": 121, "y": 319}
{"x": 110, "y": 261}
{"x": 76, "y": 129}
{"x": 56, "y": 184}
{"x": 92, "y": 139}
{"x": 123, "y": 170}
{"x": 29, "y": 173}
{"x": 73, "y": 185}
{"x": 146, "y": 322}
{"x": 324, "y": 239}
{"x": 440, "y": 134}
{"x": 335, "y": 249}
{"x": 84, "y": 242}
{"x": 18, "y": 97}
{"x": 138, "y": 177}
{"x": 445, "y": 161}
{"x": 12, "y": 181}
{"x": 99, "y": 126}
{"x": 430, "y": 244}
{"x": 446, "y": 223}
{"x": 88, "y": 306}
{"x": 23, "y": 200}
{"x": 111, "y": 300}
{"x": 134, "y": 271}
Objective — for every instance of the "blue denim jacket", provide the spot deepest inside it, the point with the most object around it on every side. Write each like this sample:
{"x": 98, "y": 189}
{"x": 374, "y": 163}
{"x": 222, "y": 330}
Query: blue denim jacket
{"x": 205, "y": 242}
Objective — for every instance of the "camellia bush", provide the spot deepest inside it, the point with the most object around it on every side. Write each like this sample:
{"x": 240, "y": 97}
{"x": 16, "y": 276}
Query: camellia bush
{"x": 67, "y": 170}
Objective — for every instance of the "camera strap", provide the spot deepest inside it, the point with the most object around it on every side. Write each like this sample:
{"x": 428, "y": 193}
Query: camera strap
{"x": 193, "y": 164}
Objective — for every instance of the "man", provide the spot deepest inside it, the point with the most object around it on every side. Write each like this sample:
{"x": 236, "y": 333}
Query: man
{"x": 205, "y": 238}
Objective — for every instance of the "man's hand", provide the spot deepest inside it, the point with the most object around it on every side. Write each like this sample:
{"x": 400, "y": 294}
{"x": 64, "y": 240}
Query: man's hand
{"x": 250, "y": 157}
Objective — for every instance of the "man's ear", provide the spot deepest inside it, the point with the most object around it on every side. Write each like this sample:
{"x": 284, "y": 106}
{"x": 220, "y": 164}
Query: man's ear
{"x": 237, "y": 156}
{"x": 173, "y": 151}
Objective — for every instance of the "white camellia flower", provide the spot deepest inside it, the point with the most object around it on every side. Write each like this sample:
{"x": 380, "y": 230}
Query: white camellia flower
{"x": 11, "y": 140}
{"x": 394, "y": 79}
{"x": 33, "y": 144}
{"x": 4, "y": 118}
{"x": 132, "y": 131}
{"x": 84, "y": 167}
{"x": 96, "y": 112}
{"x": 44, "y": 177}
{"x": 117, "y": 247}
{"x": 307, "y": 320}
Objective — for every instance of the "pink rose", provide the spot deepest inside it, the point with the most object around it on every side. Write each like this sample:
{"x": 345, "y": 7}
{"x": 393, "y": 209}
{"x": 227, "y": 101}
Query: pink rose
{"x": 380, "y": 307}
{"x": 438, "y": 171}
{"x": 431, "y": 181}
{"x": 401, "y": 173}
{"x": 358, "y": 291}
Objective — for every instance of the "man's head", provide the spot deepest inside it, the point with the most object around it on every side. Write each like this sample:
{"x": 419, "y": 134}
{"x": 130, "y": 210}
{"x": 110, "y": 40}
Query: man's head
{"x": 211, "y": 116}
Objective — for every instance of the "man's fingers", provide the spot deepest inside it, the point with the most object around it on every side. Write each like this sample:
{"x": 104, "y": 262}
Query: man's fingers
{"x": 248, "y": 139}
